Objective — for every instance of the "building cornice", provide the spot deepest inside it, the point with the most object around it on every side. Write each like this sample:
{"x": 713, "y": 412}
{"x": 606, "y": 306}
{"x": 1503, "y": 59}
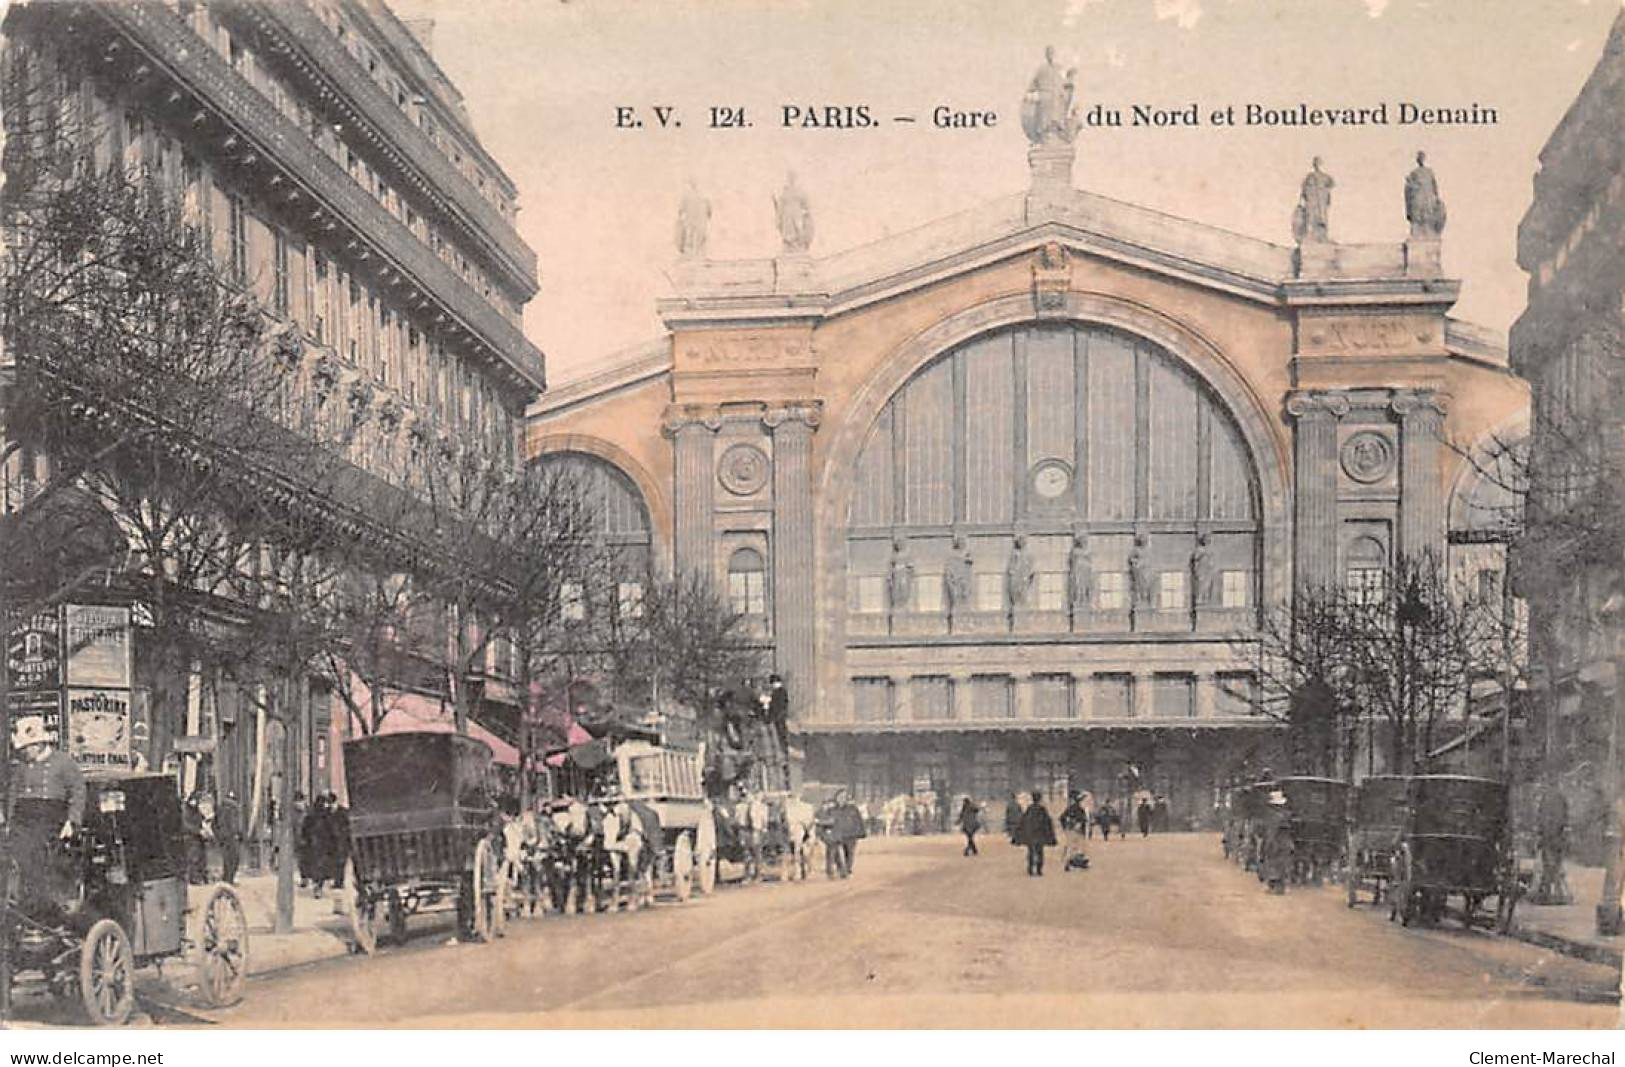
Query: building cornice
{"x": 268, "y": 140}
{"x": 310, "y": 46}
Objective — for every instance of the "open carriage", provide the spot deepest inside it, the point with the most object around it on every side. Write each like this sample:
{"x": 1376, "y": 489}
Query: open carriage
{"x": 424, "y": 828}
{"x": 1317, "y": 814}
{"x": 1375, "y": 830}
{"x": 1454, "y": 841}
{"x": 116, "y": 898}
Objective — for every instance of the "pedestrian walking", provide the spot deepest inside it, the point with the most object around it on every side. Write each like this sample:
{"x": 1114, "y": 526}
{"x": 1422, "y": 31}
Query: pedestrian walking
{"x": 1278, "y": 849}
{"x": 849, "y": 829}
{"x": 1012, "y": 818}
{"x": 338, "y": 831}
{"x": 1142, "y": 816}
{"x": 1037, "y": 832}
{"x": 314, "y": 844}
{"x": 195, "y": 827}
{"x": 1161, "y": 818}
{"x": 1088, "y": 805}
{"x": 829, "y": 836}
{"x": 1073, "y": 821}
{"x": 970, "y": 821}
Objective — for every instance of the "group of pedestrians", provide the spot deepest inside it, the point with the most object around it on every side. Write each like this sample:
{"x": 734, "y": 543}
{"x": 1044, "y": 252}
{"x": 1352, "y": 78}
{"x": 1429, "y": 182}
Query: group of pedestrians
{"x": 1028, "y": 824}
{"x": 840, "y": 827}
{"x": 212, "y": 825}
{"x": 323, "y": 848}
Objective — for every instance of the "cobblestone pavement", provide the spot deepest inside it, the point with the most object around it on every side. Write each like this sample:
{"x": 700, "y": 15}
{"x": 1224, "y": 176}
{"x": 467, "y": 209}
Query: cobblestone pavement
{"x": 1159, "y": 932}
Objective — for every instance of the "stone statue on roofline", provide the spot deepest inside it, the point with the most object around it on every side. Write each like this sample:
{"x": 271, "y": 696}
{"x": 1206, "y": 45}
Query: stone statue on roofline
{"x": 1311, "y": 218}
{"x": 794, "y": 216}
{"x": 1047, "y": 114}
{"x": 693, "y": 223}
{"x": 1423, "y": 208}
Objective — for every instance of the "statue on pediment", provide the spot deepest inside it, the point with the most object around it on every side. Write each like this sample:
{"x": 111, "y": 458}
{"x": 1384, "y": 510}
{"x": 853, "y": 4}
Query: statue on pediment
{"x": 1311, "y": 219}
{"x": 1423, "y": 207}
{"x": 1047, "y": 113}
{"x": 901, "y": 579}
{"x": 1080, "y": 570}
{"x": 795, "y": 216}
{"x": 1019, "y": 573}
{"x": 693, "y": 222}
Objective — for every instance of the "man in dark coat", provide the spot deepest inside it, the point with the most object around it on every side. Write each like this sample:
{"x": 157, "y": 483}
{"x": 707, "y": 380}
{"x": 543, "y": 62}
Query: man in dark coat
{"x": 970, "y": 821}
{"x": 778, "y": 708}
{"x": 1036, "y": 831}
{"x": 1012, "y": 818}
{"x": 849, "y": 830}
{"x": 338, "y": 838}
{"x": 46, "y": 808}
{"x": 316, "y": 862}
{"x": 1142, "y": 815}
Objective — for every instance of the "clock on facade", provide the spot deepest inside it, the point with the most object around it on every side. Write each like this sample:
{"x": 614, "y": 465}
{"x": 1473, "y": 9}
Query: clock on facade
{"x": 1051, "y": 479}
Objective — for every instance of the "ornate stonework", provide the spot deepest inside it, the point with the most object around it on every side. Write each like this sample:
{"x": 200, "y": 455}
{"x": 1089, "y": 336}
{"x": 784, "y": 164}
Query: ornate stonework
{"x": 1368, "y": 456}
{"x": 743, "y": 470}
{"x": 1052, "y": 277}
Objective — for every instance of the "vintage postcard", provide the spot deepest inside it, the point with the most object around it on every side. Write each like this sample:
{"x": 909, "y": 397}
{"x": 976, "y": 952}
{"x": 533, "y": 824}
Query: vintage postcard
{"x": 813, "y": 514}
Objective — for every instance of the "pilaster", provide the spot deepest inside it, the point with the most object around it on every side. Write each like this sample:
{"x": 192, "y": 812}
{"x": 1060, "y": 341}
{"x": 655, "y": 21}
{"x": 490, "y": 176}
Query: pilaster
{"x": 792, "y": 428}
{"x": 1315, "y": 475}
{"x": 693, "y": 430}
{"x": 1421, "y": 496}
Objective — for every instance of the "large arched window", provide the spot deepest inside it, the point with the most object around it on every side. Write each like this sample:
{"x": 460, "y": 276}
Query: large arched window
{"x": 747, "y": 582}
{"x": 1083, "y": 470}
{"x": 622, "y": 520}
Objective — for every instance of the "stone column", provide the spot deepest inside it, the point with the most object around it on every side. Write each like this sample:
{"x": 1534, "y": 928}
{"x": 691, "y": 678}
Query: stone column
{"x": 1421, "y": 497}
{"x": 794, "y": 608}
{"x": 693, "y": 429}
{"x": 1207, "y": 695}
{"x": 1314, "y": 547}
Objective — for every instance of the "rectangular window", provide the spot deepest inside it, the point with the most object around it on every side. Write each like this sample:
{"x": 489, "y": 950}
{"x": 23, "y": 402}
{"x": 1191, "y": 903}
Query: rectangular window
{"x": 1114, "y": 696}
{"x": 869, "y": 594}
{"x": 931, "y": 699}
{"x": 1173, "y": 696}
{"x": 990, "y": 696}
{"x": 279, "y": 268}
{"x": 747, "y": 592}
{"x": 324, "y": 309}
{"x": 871, "y": 699}
{"x": 1233, "y": 593}
{"x": 629, "y": 600}
{"x": 1171, "y": 591}
{"x": 990, "y": 781}
{"x": 1111, "y": 591}
{"x": 1051, "y": 591}
{"x": 1365, "y": 585}
{"x": 1052, "y": 696}
{"x": 1237, "y": 694}
{"x": 572, "y": 601}
{"x": 990, "y": 592}
{"x": 237, "y": 234}
{"x": 928, "y": 594}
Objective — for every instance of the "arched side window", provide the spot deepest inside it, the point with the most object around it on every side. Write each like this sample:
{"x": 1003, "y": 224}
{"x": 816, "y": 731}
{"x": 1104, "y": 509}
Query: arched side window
{"x": 1365, "y": 570}
{"x": 747, "y": 583}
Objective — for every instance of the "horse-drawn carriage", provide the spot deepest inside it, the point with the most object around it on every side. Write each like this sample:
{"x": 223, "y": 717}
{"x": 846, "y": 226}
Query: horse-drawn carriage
{"x": 1375, "y": 830}
{"x": 115, "y": 898}
{"x": 1317, "y": 815}
{"x": 1454, "y": 840}
{"x": 424, "y": 827}
{"x": 1250, "y": 816}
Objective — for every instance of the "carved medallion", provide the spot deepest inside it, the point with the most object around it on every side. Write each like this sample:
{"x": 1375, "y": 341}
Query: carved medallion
{"x": 1051, "y": 479}
{"x": 1368, "y": 456}
{"x": 743, "y": 470}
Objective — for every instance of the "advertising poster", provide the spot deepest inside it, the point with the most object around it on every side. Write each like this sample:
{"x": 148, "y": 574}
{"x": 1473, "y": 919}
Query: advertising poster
{"x": 98, "y": 727}
{"x": 34, "y": 653}
{"x": 98, "y": 645}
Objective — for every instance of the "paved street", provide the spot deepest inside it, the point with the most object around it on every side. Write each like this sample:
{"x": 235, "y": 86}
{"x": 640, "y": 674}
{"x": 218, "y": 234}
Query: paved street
{"x": 1159, "y": 932}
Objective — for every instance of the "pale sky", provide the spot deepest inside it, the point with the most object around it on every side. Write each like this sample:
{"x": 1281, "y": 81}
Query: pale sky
{"x": 543, "y": 78}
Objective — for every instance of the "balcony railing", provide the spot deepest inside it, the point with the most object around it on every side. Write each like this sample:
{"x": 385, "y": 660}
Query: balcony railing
{"x": 173, "y": 47}
{"x": 413, "y": 148}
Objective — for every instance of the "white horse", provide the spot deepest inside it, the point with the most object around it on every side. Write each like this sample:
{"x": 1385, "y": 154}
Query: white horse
{"x": 801, "y": 829}
{"x": 624, "y": 839}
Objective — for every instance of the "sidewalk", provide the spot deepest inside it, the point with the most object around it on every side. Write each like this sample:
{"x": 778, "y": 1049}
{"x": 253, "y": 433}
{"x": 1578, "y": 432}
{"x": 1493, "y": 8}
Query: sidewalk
{"x": 1569, "y": 928}
{"x": 318, "y": 933}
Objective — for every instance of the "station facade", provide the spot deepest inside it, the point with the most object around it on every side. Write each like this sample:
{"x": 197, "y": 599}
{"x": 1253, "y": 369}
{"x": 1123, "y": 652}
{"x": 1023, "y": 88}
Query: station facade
{"x": 1006, "y": 494}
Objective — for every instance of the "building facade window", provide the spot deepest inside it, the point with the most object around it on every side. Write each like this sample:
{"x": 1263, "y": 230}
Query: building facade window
{"x": 871, "y": 699}
{"x": 928, "y": 593}
{"x": 1237, "y": 693}
{"x": 1051, "y": 591}
{"x": 1114, "y": 695}
{"x": 1233, "y": 589}
{"x": 991, "y": 696}
{"x": 747, "y": 582}
{"x": 1171, "y": 591}
{"x": 1111, "y": 591}
{"x": 930, "y": 699}
{"x": 990, "y": 592}
{"x": 572, "y": 601}
{"x": 1052, "y": 696}
{"x": 237, "y": 235}
{"x": 629, "y": 600}
{"x": 869, "y": 594}
{"x": 1173, "y": 696}
{"x": 279, "y": 273}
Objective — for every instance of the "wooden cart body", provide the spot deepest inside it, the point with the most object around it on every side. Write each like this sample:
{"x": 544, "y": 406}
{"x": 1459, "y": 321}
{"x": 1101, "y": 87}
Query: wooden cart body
{"x": 1376, "y": 827}
{"x": 118, "y": 899}
{"x": 1317, "y": 816}
{"x": 1454, "y": 842}
{"x": 423, "y": 822}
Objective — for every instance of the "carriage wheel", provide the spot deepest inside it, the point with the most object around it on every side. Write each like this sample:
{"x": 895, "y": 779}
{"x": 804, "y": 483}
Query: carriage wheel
{"x": 222, "y": 944}
{"x": 107, "y": 974}
{"x": 483, "y": 921}
{"x": 361, "y": 909}
{"x": 396, "y": 909}
{"x": 682, "y": 866}
{"x": 705, "y": 867}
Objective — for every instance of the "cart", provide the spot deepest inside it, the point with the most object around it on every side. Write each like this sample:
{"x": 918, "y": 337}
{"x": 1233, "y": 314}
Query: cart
{"x": 424, "y": 828}
{"x": 667, "y": 781}
{"x": 1254, "y": 821}
{"x": 1374, "y": 834}
{"x": 115, "y": 898}
{"x": 1454, "y": 842}
{"x": 1317, "y": 816}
